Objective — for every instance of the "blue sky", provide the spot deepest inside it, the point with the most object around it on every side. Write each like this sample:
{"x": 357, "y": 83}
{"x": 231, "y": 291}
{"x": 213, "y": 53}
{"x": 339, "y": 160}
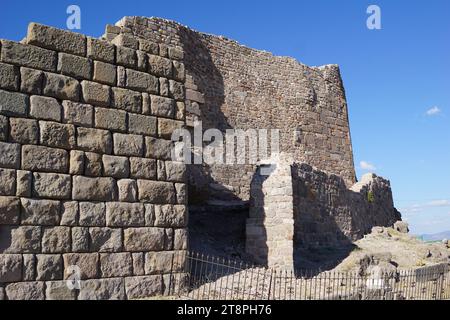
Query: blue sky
{"x": 392, "y": 76}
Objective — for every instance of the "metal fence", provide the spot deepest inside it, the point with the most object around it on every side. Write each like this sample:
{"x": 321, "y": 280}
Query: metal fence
{"x": 201, "y": 277}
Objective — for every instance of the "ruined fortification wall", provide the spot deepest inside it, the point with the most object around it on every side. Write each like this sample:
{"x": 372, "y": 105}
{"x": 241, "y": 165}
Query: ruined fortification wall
{"x": 85, "y": 173}
{"x": 232, "y": 86}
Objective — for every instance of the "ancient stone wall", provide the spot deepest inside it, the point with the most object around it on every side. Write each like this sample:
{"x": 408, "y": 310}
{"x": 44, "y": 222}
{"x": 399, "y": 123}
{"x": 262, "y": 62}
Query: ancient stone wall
{"x": 86, "y": 177}
{"x": 232, "y": 86}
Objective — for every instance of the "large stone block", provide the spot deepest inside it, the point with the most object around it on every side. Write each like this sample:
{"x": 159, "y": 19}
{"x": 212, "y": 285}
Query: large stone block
{"x": 9, "y": 155}
{"x": 38, "y": 158}
{"x": 181, "y": 193}
{"x": 141, "y": 124}
{"x": 100, "y": 50}
{"x": 24, "y": 183}
{"x": 69, "y": 213}
{"x": 175, "y": 171}
{"x": 144, "y": 286}
{"x": 13, "y": 103}
{"x": 29, "y": 267}
{"x": 159, "y": 66}
{"x": 25, "y": 291}
{"x": 74, "y": 66}
{"x": 128, "y": 145}
{"x": 156, "y": 192}
{"x": 103, "y": 289}
{"x": 58, "y": 290}
{"x": 61, "y": 87}
{"x": 80, "y": 239}
{"x": 56, "y": 39}
{"x": 78, "y": 114}
{"x": 7, "y": 183}
{"x": 86, "y": 263}
{"x": 20, "y": 239}
{"x": 92, "y": 214}
{"x": 126, "y": 57}
{"x": 4, "y": 128}
{"x": 142, "y": 168}
{"x": 105, "y": 73}
{"x": 9, "y": 210}
{"x": 163, "y": 107}
{"x": 158, "y": 148}
{"x": 126, "y": 40}
{"x": 110, "y": 119}
{"x": 164, "y": 87}
{"x": 116, "y": 265}
{"x": 138, "y": 264}
{"x": 96, "y": 94}
{"x": 141, "y": 81}
{"x": 148, "y": 46}
{"x": 117, "y": 167}
{"x": 52, "y": 185}
{"x": 93, "y": 164}
{"x": 127, "y": 100}
{"x": 40, "y": 212}
{"x": 105, "y": 240}
{"x": 176, "y": 53}
{"x": 23, "y": 131}
{"x": 176, "y": 90}
{"x": 9, "y": 77}
{"x": 180, "y": 241}
{"x": 127, "y": 190}
{"x": 166, "y": 127}
{"x": 45, "y": 108}
{"x": 178, "y": 71}
{"x": 10, "y": 268}
{"x": 93, "y": 189}
{"x": 170, "y": 216}
{"x": 76, "y": 162}
{"x": 94, "y": 140}
{"x": 56, "y": 240}
{"x": 120, "y": 214}
{"x": 57, "y": 135}
{"x": 158, "y": 262}
{"x": 144, "y": 239}
{"x": 28, "y": 56}
{"x": 31, "y": 80}
{"x": 49, "y": 267}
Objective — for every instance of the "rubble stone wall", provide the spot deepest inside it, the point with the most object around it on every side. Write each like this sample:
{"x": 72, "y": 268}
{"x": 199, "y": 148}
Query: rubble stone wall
{"x": 86, "y": 177}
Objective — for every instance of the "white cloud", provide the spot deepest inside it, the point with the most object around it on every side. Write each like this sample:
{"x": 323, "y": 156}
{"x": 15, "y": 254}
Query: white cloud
{"x": 367, "y": 166}
{"x": 433, "y": 111}
{"x": 439, "y": 203}
{"x": 417, "y": 208}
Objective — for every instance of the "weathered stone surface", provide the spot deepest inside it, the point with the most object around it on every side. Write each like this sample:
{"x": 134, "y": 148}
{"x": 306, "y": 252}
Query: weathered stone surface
{"x": 120, "y": 214}
{"x": 121, "y": 76}
{"x": 94, "y": 140}
{"x": 100, "y": 50}
{"x": 128, "y": 145}
{"x": 178, "y": 71}
{"x": 401, "y": 226}
{"x": 176, "y": 90}
{"x": 80, "y": 239}
{"x": 181, "y": 193}
{"x": 116, "y": 265}
{"x": 31, "y": 80}
{"x": 10, "y": 267}
{"x": 9, "y": 210}
{"x": 175, "y": 171}
{"x": 69, "y": 213}
{"x": 158, "y": 262}
{"x": 7, "y": 183}
{"x": 93, "y": 164}
{"x": 105, "y": 73}
{"x": 76, "y": 162}
{"x": 25, "y": 291}
{"x": 127, "y": 190}
{"x": 142, "y": 63}
{"x": 103, "y": 289}
{"x": 163, "y": 50}
{"x": 148, "y": 46}
{"x": 142, "y": 168}
{"x": 143, "y": 287}
{"x": 86, "y": 262}
{"x": 4, "y": 128}
{"x": 56, "y": 39}
{"x": 167, "y": 126}
{"x": 78, "y": 114}
{"x": 9, "y": 155}
{"x": 57, "y": 135}
{"x": 28, "y": 56}
{"x": 117, "y": 167}
{"x": 61, "y": 87}
{"x": 126, "y": 57}
{"x": 149, "y": 215}
{"x": 74, "y": 66}
{"x": 163, "y": 107}
{"x": 180, "y": 111}
{"x": 38, "y": 158}
{"x": 141, "y": 81}
{"x": 49, "y": 267}
{"x": 144, "y": 239}
{"x": 45, "y": 108}
{"x": 93, "y": 189}
{"x": 40, "y": 212}
{"x": 159, "y": 66}
{"x": 126, "y": 40}
{"x": 110, "y": 119}
{"x": 29, "y": 267}
{"x": 9, "y": 77}
{"x": 13, "y": 103}
{"x": 92, "y": 214}
{"x": 105, "y": 240}
{"x": 161, "y": 170}
{"x": 176, "y": 53}
{"x": 52, "y": 185}
{"x": 138, "y": 264}
{"x": 141, "y": 124}
{"x": 127, "y": 100}
{"x": 58, "y": 290}
{"x": 156, "y": 191}
{"x": 180, "y": 239}
{"x": 56, "y": 240}
{"x": 170, "y": 216}
{"x": 164, "y": 87}
{"x": 23, "y": 131}
{"x": 95, "y": 93}
{"x": 158, "y": 148}
{"x": 20, "y": 239}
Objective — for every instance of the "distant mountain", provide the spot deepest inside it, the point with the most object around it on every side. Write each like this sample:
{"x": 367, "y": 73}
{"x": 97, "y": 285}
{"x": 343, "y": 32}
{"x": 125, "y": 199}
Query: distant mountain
{"x": 436, "y": 236}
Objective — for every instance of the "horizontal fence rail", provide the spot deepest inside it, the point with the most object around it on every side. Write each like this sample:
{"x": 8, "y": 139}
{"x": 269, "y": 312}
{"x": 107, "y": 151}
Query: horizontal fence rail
{"x": 200, "y": 277}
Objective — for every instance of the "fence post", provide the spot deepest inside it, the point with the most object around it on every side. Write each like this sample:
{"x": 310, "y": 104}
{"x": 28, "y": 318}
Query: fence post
{"x": 440, "y": 284}
{"x": 270, "y": 284}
